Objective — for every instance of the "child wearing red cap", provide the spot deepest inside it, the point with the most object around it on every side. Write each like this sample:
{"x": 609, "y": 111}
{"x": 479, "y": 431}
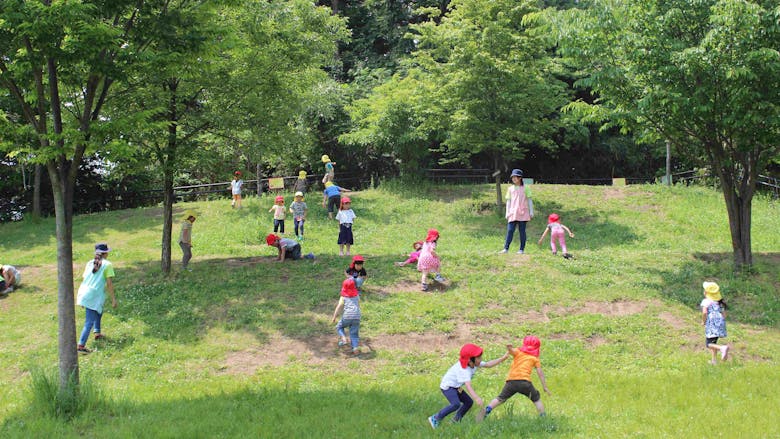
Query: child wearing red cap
{"x": 413, "y": 256}
{"x": 429, "y": 261}
{"x": 287, "y": 248}
{"x": 357, "y": 270}
{"x": 235, "y": 190}
{"x": 526, "y": 358}
{"x": 346, "y": 217}
{"x": 349, "y": 302}
{"x": 556, "y": 230}
{"x": 279, "y": 212}
{"x": 459, "y": 377}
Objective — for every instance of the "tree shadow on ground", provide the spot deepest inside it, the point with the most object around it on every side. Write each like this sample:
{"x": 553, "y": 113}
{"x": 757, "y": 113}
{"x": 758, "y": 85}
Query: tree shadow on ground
{"x": 295, "y": 409}
{"x": 752, "y": 298}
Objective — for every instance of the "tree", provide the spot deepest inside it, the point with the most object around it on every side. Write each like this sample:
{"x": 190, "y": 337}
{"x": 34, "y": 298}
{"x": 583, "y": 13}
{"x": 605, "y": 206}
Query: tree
{"x": 703, "y": 74}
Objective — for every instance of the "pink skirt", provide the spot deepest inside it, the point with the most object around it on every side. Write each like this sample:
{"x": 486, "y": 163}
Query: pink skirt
{"x": 428, "y": 262}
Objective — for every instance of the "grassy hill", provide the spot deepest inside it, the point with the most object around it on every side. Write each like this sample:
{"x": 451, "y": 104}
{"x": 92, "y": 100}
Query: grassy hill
{"x": 242, "y": 346}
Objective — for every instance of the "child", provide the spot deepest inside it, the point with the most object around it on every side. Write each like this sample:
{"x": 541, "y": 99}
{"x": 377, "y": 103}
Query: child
{"x": 332, "y": 196}
{"x": 524, "y": 360}
{"x": 300, "y": 183}
{"x": 713, "y": 317}
{"x": 299, "y": 209}
{"x": 357, "y": 271}
{"x": 10, "y": 278}
{"x": 346, "y": 217}
{"x": 428, "y": 261}
{"x": 556, "y": 232}
{"x": 278, "y": 210}
{"x": 235, "y": 189}
{"x": 287, "y": 248}
{"x": 459, "y": 376}
{"x": 92, "y": 293}
{"x": 349, "y": 302}
{"x": 519, "y": 210}
{"x": 413, "y": 256}
{"x": 330, "y": 173}
{"x": 185, "y": 240}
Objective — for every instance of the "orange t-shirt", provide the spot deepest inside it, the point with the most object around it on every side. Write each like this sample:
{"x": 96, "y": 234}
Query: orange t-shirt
{"x": 522, "y": 365}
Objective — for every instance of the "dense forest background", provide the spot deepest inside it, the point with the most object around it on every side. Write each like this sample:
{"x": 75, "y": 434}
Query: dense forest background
{"x": 386, "y": 88}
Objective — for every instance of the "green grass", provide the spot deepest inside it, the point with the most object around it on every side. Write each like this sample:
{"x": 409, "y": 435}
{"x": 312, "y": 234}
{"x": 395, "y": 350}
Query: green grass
{"x": 243, "y": 346}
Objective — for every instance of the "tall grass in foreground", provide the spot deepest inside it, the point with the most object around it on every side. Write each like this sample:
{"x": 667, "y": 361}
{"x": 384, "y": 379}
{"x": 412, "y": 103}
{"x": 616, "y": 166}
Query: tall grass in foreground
{"x": 62, "y": 403}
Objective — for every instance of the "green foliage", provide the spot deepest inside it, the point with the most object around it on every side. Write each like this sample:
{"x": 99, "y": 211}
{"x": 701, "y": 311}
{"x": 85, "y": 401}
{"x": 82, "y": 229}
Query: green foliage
{"x": 62, "y": 403}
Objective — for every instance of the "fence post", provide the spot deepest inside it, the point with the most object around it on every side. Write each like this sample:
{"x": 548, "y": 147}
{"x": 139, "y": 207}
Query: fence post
{"x": 668, "y": 163}
{"x": 259, "y": 182}
{"x": 499, "y": 204}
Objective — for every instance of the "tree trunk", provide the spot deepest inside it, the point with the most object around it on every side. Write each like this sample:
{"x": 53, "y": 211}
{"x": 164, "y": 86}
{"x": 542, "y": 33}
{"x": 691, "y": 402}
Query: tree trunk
{"x": 62, "y": 192}
{"x": 168, "y": 199}
{"x": 36, "y": 213}
{"x": 739, "y": 211}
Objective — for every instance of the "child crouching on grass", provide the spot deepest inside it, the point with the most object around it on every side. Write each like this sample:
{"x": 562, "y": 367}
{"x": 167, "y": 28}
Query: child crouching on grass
{"x": 459, "y": 377}
{"x": 525, "y": 359}
{"x": 349, "y": 302}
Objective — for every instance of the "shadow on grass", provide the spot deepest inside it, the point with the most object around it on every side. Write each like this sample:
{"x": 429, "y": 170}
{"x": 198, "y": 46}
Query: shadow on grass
{"x": 752, "y": 298}
{"x": 296, "y": 409}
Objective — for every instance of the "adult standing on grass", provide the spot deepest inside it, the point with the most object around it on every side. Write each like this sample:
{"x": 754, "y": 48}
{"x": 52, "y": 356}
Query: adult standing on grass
{"x": 235, "y": 189}
{"x": 713, "y": 318}
{"x": 519, "y": 210}
{"x": 185, "y": 240}
{"x": 92, "y": 293}
{"x": 10, "y": 278}
{"x": 332, "y": 197}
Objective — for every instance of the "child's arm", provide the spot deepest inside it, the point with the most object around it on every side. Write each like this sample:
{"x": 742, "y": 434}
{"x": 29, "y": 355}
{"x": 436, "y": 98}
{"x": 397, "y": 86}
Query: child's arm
{"x": 546, "y": 229}
{"x": 110, "y": 288}
{"x": 571, "y": 235}
{"x": 511, "y": 350}
{"x": 337, "y": 310}
{"x": 499, "y": 360}
{"x": 472, "y": 393}
{"x": 282, "y": 253}
{"x": 541, "y": 379}
{"x": 704, "y": 315}
{"x": 272, "y": 208}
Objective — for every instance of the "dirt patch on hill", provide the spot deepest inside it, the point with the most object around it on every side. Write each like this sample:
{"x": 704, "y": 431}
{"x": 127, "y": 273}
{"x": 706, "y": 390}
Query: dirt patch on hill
{"x": 403, "y": 286}
{"x": 614, "y": 194}
{"x": 278, "y": 352}
{"x": 610, "y": 309}
{"x": 426, "y": 341}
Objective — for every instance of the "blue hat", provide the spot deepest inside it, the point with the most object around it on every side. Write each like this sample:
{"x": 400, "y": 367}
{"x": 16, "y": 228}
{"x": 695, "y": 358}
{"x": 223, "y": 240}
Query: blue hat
{"x": 516, "y": 173}
{"x": 102, "y": 248}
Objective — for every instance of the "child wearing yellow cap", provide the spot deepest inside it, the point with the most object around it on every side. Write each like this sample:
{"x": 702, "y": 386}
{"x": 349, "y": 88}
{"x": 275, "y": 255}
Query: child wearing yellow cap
{"x": 330, "y": 173}
{"x": 713, "y": 318}
{"x": 300, "y": 183}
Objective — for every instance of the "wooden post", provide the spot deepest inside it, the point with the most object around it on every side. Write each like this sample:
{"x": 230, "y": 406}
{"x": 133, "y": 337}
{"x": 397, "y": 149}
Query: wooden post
{"x": 499, "y": 204}
{"x": 259, "y": 182}
{"x": 668, "y": 163}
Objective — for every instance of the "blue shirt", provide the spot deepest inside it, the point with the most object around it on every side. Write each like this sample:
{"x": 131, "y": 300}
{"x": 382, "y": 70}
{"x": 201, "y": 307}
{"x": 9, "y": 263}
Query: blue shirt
{"x": 332, "y": 191}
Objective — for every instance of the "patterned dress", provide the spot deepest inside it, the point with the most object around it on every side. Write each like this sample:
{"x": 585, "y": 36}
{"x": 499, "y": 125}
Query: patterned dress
{"x": 427, "y": 261}
{"x": 715, "y": 326}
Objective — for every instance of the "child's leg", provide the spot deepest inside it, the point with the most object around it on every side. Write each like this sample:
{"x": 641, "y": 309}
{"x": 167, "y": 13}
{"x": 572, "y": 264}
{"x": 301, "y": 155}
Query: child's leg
{"x": 453, "y": 397}
{"x": 354, "y": 333}
{"x": 348, "y": 246}
{"x": 465, "y": 407}
{"x": 340, "y": 330}
{"x": 233, "y": 201}
{"x": 510, "y": 233}
{"x": 281, "y": 226}
{"x": 562, "y": 240}
{"x": 341, "y": 249}
{"x": 97, "y": 323}
{"x": 523, "y": 236}
{"x": 238, "y": 201}
{"x": 539, "y": 406}
{"x": 552, "y": 245}
{"x": 276, "y": 226}
{"x": 89, "y": 322}
{"x": 296, "y": 225}
{"x": 424, "y": 279}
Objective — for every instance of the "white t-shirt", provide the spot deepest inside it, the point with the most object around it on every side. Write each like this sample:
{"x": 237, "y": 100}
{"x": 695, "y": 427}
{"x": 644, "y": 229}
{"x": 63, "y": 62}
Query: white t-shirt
{"x": 346, "y": 216}
{"x": 235, "y": 186}
{"x": 17, "y": 275}
{"x": 457, "y": 376}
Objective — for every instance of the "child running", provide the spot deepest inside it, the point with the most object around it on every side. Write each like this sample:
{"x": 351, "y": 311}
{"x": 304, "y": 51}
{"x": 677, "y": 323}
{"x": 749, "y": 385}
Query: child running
{"x": 349, "y": 302}
{"x": 413, "y": 256}
{"x": 346, "y": 217}
{"x": 525, "y": 359}
{"x": 235, "y": 189}
{"x": 713, "y": 318}
{"x": 278, "y": 210}
{"x": 299, "y": 209}
{"x": 459, "y": 377}
{"x": 357, "y": 271}
{"x": 429, "y": 261}
{"x": 556, "y": 230}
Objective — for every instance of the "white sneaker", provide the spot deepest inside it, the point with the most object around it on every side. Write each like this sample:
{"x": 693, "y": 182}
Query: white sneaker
{"x": 439, "y": 278}
{"x": 724, "y": 353}
{"x": 503, "y": 251}
{"x": 520, "y": 252}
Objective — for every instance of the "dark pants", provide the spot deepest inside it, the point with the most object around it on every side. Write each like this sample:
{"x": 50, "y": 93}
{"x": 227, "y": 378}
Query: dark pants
{"x": 186, "y": 250}
{"x": 298, "y": 226}
{"x": 278, "y": 226}
{"x": 510, "y": 233}
{"x": 333, "y": 203}
{"x": 293, "y": 252}
{"x": 460, "y": 401}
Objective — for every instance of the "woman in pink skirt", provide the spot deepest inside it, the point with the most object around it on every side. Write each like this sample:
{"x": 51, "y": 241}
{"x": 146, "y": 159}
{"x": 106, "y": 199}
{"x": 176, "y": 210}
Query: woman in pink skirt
{"x": 429, "y": 261}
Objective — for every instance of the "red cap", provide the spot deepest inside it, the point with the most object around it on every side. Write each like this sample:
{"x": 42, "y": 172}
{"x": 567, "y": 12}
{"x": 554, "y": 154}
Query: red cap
{"x": 553, "y": 218}
{"x": 271, "y": 239}
{"x": 345, "y": 200}
{"x": 237, "y": 173}
{"x": 279, "y": 198}
{"x": 348, "y": 288}
{"x": 531, "y": 345}
{"x": 467, "y": 352}
{"x": 433, "y": 235}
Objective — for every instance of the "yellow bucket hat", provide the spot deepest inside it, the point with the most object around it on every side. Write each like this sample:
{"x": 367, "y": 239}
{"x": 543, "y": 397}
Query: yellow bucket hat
{"x": 712, "y": 291}
{"x": 325, "y": 158}
{"x": 302, "y": 175}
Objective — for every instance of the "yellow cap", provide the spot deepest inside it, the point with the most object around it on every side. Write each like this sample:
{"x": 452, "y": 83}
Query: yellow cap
{"x": 302, "y": 175}
{"x": 325, "y": 158}
{"x": 328, "y": 183}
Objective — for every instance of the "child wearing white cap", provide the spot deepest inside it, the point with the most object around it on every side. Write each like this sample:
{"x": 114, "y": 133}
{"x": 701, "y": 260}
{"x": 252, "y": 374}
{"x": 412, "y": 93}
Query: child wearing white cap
{"x": 299, "y": 209}
{"x": 713, "y": 318}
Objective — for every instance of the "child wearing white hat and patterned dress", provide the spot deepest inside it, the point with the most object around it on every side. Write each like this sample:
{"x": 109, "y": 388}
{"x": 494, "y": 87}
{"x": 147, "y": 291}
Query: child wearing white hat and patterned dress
{"x": 713, "y": 318}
